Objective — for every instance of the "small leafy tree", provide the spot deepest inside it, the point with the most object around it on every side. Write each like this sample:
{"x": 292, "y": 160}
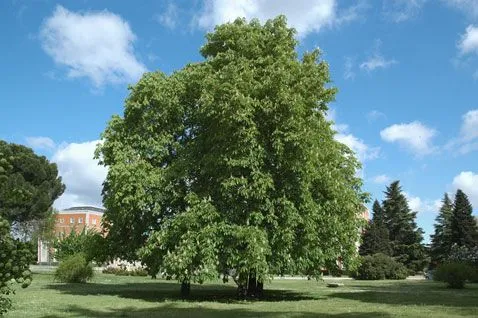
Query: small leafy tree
{"x": 90, "y": 243}
{"x": 380, "y": 266}
{"x": 15, "y": 258}
{"x": 455, "y": 274}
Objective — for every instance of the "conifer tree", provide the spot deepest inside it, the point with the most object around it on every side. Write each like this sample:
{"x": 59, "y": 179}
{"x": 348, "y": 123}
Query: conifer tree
{"x": 464, "y": 230}
{"x": 375, "y": 237}
{"x": 441, "y": 239}
{"x": 404, "y": 234}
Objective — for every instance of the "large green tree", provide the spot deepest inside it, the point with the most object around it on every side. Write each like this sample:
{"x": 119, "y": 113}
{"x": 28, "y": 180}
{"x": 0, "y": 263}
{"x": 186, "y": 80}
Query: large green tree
{"x": 441, "y": 240}
{"x": 29, "y": 184}
{"x": 464, "y": 230}
{"x": 230, "y": 167}
{"x": 375, "y": 238}
{"x": 405, "y": 236}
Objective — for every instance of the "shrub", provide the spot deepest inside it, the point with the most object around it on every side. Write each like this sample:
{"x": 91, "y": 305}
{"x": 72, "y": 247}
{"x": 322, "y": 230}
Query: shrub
{"x": 380, "y": 266}
{"x": 74, "y": 269}
{"x": 455, "y": 274}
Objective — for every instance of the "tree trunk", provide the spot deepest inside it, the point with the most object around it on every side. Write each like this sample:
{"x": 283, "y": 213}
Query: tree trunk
{"x": 185, "y": 289}
{"x": 250, "y": 287}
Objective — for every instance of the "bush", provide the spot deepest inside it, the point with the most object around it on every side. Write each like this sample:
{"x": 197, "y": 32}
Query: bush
{"x": 455, "y": 274}
{"x": 74, "y": 269}
{"x": 380, "y": 266}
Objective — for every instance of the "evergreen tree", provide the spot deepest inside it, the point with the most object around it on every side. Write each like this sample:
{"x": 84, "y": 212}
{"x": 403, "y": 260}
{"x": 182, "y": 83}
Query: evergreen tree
{"x": 405, "y": 237}
{"x": 441, "y": 239}
{"x": 464, "y": 230}
{"x": 375, "y": 237}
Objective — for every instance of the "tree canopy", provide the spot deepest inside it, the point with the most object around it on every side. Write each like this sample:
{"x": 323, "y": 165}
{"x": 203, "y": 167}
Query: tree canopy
{"x": 441, "y": 241}
{"x": 375, "y": 238}
{"x": 230, "y": 167}
{"x": 464, "y": 231}
{"x": 404, "y": 234}
{"x": 29, "y": 184}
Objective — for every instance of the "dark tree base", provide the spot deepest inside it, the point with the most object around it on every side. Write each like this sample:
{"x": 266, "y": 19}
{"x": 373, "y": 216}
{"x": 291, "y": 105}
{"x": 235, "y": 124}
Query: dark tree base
{"x": 185, "y": 289}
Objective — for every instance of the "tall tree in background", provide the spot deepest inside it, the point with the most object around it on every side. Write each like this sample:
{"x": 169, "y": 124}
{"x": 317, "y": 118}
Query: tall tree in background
{"x": 229, "y": 166}
{"x": 441, "y": 240}
{"x": 464, "y": 230}
{"x": 375, "y": 238}
{"x": 29, "y": 184}
{"x": 405, "y": 237}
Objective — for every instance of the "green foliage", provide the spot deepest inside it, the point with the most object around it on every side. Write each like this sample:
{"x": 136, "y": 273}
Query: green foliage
{"x": 442, "y": 238}
{"x": 375, "y": 238}
{"x": 380, "y": 266}
{"x": 217, "y": 165}
{"x": 74, "y": 269}
{"x": 455, "y": 274}
{"x": 29, "y": 184}
{"x": 88, "y": 242}
{"x": 464, "y": 230}
{"x": 15, "y": 258}
{"x": 405, "y": 237}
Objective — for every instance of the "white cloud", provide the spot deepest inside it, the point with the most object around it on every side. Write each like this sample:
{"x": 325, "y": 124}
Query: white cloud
{"x": 375, "y": 115}
{"x": 95, "y": 45}
{"x": 402, "y": 10}
{"x": 40, "y": 143}
{"x": 418, "y": 205}
{"x": 468, "y": 140}
{"x": 306, "y": 16}
{"x": 362, "y": 150}
{"x": 81, "y": 174}
{"x": 377, "y": 61}
{"x": 467, "y": 181}
{"x": 381, "y": 179}
{"x": 348, "y": 69}
{"x": 415, "y": 136}
{"x": 469, "y": 7}
{"x": 469, "y": 41}
{"x": 169, "y": 17}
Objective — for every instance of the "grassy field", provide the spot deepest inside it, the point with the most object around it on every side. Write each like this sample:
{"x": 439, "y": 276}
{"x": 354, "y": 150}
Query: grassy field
{"x": 113, "y": 296}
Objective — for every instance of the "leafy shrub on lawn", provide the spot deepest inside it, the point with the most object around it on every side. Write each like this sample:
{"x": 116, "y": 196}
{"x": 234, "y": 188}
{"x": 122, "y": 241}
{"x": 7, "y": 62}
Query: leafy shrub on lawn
{"x": 380, "y": 266}
{"x": 455, "y": 274}
{"x": 74, "y": 269}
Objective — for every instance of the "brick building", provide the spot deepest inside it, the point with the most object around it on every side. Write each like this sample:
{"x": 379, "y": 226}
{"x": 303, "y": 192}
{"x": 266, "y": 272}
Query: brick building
{"x": 71, "y": 219}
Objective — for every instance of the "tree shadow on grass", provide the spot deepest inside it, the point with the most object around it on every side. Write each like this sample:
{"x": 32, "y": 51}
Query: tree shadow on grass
{"x": 166, "y": 291}
{"x": 424, "y": 294}
{"x": 173, "y": 310}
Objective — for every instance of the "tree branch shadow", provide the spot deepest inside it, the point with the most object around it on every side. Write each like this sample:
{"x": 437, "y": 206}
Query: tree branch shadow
{"x": 169, "y": 291}
{"x": 173, "y": 310}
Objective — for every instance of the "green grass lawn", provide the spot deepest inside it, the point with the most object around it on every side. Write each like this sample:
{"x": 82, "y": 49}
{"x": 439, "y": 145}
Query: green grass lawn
{"x": 114, "y": 296}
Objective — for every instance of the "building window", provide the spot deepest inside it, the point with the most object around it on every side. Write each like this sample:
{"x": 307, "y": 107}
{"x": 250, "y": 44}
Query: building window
{"x": 80, "y": 220}
{"x": 94, "y": 221}
{"x": 62, "y": 220}
{"x": 72, "y": 220}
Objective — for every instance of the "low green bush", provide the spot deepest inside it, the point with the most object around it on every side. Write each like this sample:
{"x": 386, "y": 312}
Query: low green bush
{"x": 380, "y": 266}
{"x": 455, "y": 274}
{"x": 74, "y": 269}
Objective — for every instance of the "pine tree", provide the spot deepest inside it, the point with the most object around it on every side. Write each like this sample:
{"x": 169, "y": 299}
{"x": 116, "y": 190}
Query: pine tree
{"x": 464, "y": 230}
{"x": 375, "y": 237}
{"x": 441, "y": 239}
{"x": 405, "y": 237}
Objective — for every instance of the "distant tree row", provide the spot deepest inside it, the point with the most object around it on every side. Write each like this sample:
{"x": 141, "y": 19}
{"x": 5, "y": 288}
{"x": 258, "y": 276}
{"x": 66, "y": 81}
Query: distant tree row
{"x": 455, "y": 227}
{"x": 394, "y": 232}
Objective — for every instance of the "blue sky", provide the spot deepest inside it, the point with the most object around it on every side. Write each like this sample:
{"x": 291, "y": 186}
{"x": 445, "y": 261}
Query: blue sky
{"x": 406, "y": 70}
